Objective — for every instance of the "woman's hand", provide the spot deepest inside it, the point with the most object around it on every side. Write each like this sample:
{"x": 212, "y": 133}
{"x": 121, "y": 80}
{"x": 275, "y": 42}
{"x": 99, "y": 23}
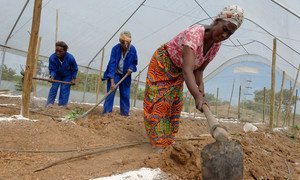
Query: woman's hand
{"x": 199, "y": 101}
{"x": 112, "y": 84}
{"x": 73, "y": 81}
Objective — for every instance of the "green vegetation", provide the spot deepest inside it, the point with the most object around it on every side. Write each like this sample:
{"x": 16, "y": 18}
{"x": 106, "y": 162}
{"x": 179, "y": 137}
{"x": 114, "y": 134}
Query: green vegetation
{"x": 77, "y": 111}
{"x": 91, "y": 82}
{"x": 8, "y": 74}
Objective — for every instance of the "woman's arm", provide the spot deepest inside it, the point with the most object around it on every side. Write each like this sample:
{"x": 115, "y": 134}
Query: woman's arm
{"x": 198, "y": 73}
{"x": 199, "y": 80}
{"x": 189, "y": 76}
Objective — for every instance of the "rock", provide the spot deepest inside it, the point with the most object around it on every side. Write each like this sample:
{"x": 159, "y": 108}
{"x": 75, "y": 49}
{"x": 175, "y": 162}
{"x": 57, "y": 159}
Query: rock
{"x": 248, "y": 127}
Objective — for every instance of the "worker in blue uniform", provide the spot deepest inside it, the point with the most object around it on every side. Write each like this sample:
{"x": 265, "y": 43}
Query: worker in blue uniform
{"x": 62, "y": 67}
{"x": 123, "y": 59}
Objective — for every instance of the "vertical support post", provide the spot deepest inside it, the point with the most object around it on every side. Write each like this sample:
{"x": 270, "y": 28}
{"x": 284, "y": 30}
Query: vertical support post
{"x": 2, "y": 64}
{"x": 35, "y": 27}
{"x": 186, "y": 96}
{"x": 56, "y": 26}
{"x": 190, "y": 104}
{"x": 264, "y": 104}
{"x": 96, "y": 82}
{"x": 100, "y": 76}
{"x": 217, "y": 99}
{"x": 35, "y": 64}
{"x": 239, "y": 103}
{"x": 85, "y": 83}
{"x": 136, "y": 89}
{"x": 230, "y": 98}
{"x": 272, "y": 99}
{"x": 280, "y": 99}
{"x": 295, "y": 107}
{"x": 287, "y": 116}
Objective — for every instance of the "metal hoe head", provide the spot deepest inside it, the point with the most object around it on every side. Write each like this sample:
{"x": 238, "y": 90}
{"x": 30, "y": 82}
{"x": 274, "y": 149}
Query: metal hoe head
{"x": 222, "y": 160}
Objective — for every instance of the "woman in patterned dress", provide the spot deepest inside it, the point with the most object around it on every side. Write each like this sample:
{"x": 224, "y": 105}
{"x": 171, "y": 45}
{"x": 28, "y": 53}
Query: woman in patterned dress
{"x": 183, "y": 58}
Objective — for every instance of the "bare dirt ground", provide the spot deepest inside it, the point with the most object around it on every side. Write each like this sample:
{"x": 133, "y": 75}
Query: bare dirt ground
{"x": 120, "y": 144}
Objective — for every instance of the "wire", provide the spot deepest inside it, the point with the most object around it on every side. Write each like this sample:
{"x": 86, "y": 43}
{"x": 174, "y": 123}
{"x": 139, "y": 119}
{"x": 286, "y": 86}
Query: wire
{"x": 116, "y": 32}
{"x": 21, "y": 13}
{"x": 169, "y": 11}
{"x": 242, "y": 46}
{"x": 28, "y": 20}
{"x": 163, "y": 27}
{"x": 263, "y": 30}
{"x": 287, "y": 9}
{"x": 267, "y": 48}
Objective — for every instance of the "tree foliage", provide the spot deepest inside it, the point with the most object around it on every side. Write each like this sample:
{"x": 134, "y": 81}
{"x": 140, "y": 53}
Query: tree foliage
{"x": 8, "y": 74}
{"x": 258, "y": 99}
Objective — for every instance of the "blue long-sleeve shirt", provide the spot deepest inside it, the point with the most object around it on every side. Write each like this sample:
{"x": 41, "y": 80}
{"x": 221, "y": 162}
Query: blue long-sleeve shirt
{"x": 68, "y": 67}
{"x": 130, "y": 61}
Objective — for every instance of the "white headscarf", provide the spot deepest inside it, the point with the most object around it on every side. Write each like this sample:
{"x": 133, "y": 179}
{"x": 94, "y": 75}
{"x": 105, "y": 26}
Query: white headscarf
{"x": 233, "y": 14}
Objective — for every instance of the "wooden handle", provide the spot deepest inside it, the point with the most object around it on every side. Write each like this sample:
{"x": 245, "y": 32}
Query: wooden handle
{"x": 104, "y": 97}
{"x": 219, "y": 133}
{"x": 49, "y": 80}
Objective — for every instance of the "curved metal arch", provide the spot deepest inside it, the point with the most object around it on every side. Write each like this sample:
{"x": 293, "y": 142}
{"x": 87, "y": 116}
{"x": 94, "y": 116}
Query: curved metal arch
{"x": 239, "y": 45}
{"x": 244, "y": 58}
{"x": 260, "y": 28}
{"x": 266, "y": 47}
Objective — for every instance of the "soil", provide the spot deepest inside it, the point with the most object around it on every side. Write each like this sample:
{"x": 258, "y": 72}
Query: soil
{"x": 120, "y": 144}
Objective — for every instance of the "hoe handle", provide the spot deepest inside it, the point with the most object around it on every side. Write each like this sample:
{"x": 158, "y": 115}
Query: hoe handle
{"x": 104, "y": 97}
{"x": 218, "y": 131}
{"x": 53, "y": 80}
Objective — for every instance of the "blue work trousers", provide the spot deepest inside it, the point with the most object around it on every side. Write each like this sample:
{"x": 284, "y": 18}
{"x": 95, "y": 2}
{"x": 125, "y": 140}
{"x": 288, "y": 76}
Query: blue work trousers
{"x": 64, "y": 92}
{"x": 124, "y": 89}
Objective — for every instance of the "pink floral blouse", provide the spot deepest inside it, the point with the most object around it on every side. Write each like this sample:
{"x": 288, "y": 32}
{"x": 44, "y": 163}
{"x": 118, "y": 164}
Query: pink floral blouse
{"x": 194, "y": 38}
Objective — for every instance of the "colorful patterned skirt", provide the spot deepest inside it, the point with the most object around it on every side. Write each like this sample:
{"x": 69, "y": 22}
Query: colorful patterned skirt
{"x": 163, "y": 99}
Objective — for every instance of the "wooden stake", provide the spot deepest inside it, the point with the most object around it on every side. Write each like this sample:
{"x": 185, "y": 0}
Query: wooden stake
{"x": 190, "y": 104}
{"x": 295, "y": 107}
{"x": 35, "y": 64}
{"x": 287, "y": 116}
{"x": 100, "y": 76}
{"x": 56, "y": 27}
{"x": 230, "y": 98}
{"x": 217, "y": 102}
{"x": 264, "y": 104}
{"x": 136, "y": 89}
{"x": 185, "y": 99}
{"x": 96, "y": 83}
{"x": 101, "y": 70}
{"x": 280, "y": 99}
{"x": 272, "y": 100}
{"x": 239, "y": 103}
{"x": 30, "y": 57}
